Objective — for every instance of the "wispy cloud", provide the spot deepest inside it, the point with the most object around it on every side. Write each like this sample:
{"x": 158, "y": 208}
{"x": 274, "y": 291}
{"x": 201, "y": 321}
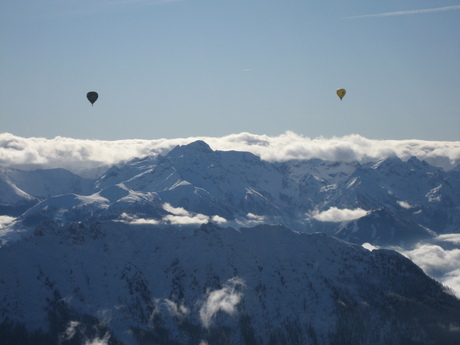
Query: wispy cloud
{"x": 404, "y": 13}
{"x": 454, "y": 238}
{"x": 224, "y": 300}
{"x": 99, "y": 341}
{"x": 70, "y": 331}
{"x": 74, "y": 327}
{"x": 131, "y": 219}
{"x": 174, "y": 309}
{"x": 251, "y": 219}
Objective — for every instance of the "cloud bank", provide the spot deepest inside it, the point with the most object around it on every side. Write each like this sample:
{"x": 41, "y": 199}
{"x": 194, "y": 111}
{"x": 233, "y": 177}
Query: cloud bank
{"x": 81, "y": 156}
{"x": 440, "y": 262}
{"x": 439, "y": 258}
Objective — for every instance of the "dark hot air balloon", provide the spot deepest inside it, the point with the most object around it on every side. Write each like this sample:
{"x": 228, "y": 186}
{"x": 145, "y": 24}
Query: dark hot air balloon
{"x": 92, "y": 96}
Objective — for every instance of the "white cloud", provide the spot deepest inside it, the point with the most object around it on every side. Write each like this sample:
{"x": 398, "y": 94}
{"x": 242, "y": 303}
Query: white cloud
{"x": 80, "y": 155}
{"x": 174, "y": 309}
{"x": 177, "y": 216}
{"x": 452, "y": 280}
{"x": 218, "y": 219}
{"x": 186, "y": 220}
{"x": 180, "y": 216}
{"x": 440, "y": 260}
{"x": 70, "y": 331}
{"x": 130, "y": 219}
{"x": 99, "y": 341}
{"x": 405, "y": 204}
{"x": 454, "y": 238}
{"x": 403, "y": 13}
{"x": 178, "y": 211}
{"x": 7, "y": 231}
{"x": 434, "y": 259}
{"x": 335, "y": 214}
{"x": 369, "y": 246}
{"x": 251, "y": 219}
{"x": 225, "y": 300}
{"x": 6, "y": 221}
{"x": 73, "y": 328}
{"x": 255, "y": 219}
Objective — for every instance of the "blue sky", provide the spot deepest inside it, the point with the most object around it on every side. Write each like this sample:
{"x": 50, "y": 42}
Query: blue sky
{"x": 170, "y": 69}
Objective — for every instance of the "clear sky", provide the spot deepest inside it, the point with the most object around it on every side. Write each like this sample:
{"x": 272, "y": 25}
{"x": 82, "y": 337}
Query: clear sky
{"x": 170, "y": 69}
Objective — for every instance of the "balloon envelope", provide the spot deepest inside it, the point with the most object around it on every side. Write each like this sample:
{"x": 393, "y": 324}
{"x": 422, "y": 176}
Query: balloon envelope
{"x": 92, "y": 96}
{"x": 341, "y": 93}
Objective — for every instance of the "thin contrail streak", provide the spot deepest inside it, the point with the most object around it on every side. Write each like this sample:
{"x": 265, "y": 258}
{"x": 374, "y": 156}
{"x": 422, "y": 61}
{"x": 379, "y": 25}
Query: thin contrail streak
{"x": 402, "y": 13}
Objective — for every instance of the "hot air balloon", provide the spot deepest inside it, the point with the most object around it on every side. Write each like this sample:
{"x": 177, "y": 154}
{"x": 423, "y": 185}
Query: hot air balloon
{"x": 341, "y": 93}
{"x": 92, "y": 96}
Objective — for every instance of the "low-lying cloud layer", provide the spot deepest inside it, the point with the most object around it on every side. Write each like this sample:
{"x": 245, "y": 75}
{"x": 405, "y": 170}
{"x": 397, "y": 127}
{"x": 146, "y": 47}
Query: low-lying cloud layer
{"x": 176, "y": 216}
{"x": 439, "y": 259}
{"x": 81, "y": 155}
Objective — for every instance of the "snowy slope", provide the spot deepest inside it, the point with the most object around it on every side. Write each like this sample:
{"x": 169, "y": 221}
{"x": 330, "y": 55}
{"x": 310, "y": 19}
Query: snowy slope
{"x": 124, "y": 284}
{"x": 46, "y": 183}
{"x": 13, "y": 200}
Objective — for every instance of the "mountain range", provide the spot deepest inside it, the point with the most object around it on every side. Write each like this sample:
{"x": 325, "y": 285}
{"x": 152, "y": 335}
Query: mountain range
{"x": 207, "y": 247}
{"x": 116, "y": 283}
{"x": 391, "y": 202}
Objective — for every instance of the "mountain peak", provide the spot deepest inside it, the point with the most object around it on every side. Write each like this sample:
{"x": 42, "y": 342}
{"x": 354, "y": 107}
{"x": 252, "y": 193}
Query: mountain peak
{"x": 416, "y": 163}
{"x": 196, "y": 146}
{"x": 390, "y": 161}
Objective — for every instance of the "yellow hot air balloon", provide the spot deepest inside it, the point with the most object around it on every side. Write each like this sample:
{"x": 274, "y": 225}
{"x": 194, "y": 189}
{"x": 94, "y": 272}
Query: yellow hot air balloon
{"x": 341, "y": 93}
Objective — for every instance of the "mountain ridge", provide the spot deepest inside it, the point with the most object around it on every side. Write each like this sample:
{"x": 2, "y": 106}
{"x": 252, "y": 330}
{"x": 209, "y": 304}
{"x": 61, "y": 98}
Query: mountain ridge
{"x": 259, "y": 285}
{"x": 242, "y": 189}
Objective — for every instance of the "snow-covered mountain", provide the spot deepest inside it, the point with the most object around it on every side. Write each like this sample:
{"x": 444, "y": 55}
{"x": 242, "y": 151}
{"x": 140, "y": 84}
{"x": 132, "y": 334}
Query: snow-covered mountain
{"x": 114, "y": 283}
{"x": 20, "y": 190}
{"x": 390, "y": 201}
{"x": 196, "y": 247}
